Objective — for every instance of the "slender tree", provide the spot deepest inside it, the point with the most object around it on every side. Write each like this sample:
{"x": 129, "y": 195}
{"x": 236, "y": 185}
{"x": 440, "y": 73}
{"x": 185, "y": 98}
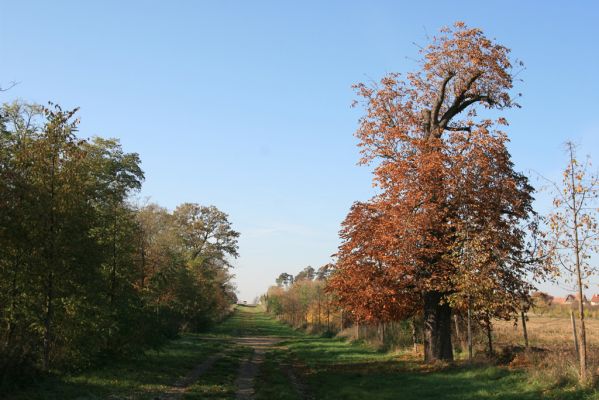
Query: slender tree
{"x": 573, "y": 234}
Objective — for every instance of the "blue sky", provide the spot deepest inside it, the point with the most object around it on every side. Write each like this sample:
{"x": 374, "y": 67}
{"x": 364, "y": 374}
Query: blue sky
{"x": 246, "y": 104}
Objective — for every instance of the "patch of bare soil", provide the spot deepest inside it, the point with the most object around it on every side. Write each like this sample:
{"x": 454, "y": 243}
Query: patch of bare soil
{"x": 250, "y": 367}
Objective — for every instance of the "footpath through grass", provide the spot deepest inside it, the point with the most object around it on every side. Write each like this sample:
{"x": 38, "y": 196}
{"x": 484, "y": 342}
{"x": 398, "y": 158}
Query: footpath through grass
{"x": 253, "y": 321}
{"x": 335, "y": 369}
{"x": 150, "y": 375}
{"x": 303, "y": 367}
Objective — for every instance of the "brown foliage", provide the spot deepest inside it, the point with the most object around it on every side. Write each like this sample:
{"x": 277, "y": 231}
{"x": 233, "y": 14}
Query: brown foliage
{"x": 450, "y": 215}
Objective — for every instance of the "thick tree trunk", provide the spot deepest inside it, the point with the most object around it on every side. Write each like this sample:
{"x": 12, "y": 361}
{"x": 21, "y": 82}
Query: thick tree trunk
{"x": 437, "y": 328}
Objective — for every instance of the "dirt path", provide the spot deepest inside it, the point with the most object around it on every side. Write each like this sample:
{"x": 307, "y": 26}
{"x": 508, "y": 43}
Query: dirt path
{"x": 251, "y": 366}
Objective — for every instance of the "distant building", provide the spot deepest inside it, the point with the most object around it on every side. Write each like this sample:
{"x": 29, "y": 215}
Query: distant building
{"x": 558, "y": 300}
{"x": 541, "y": 298}
{"x": 573, "y": 299}
{"x": 569, "y": 299}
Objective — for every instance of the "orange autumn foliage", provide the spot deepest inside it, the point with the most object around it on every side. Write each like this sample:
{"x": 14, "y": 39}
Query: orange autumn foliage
{"x": 449, "y": 225}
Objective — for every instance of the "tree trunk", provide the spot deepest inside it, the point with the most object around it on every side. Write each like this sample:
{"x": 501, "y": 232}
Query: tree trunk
{"x": 524, "y": 331}
{"x": 582, "y": 333}
{"x": 48, "y": 320}
{"x": 458, "y": 337}
{"x": 577, "y": 249}
{"x": 489, "y": 337}
{"x": 575, "y": 334}
{"x": 143, "y": 265}
{"x": 469, "y": 335}
{"x": 51, "y": 264}
{"x": 13, "y": 304}
{"x": 318, "y": 309}
{"x": 414, "y": 335}
{"x": 437, "y": 328}
{"x": 114, "y": 259}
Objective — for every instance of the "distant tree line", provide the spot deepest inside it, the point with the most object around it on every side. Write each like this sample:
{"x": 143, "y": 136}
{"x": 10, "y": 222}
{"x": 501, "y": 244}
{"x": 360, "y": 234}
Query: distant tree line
{"x": 302, "y": 300}
{"x": 85, "y": 274}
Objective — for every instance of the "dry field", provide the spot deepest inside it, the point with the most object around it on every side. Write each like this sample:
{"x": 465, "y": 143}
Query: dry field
{"x": 545, "y": 332}
{"x": 553, "y": 357}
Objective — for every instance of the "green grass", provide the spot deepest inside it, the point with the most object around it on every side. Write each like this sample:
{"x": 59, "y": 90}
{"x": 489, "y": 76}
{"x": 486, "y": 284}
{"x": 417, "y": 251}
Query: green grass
{"x": 326, "y": 369}
{"x": 253, "y": 321}
{"x": 335, "y": 369}
{"x": 143, "y": 377}
{"x": 150, "y": 374}
{"x": 219, "y": 381}
{"x": 273, "y": 382}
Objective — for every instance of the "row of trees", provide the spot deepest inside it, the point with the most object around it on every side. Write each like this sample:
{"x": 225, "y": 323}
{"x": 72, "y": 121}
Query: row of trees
{"x": 303, "y": 300}
{"x": 84, "y": 273}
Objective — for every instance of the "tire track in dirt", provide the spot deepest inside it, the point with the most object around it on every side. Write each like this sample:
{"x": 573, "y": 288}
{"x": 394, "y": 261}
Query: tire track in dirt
{"x": 251, "y": 366}
{"x": 181, "y": 386}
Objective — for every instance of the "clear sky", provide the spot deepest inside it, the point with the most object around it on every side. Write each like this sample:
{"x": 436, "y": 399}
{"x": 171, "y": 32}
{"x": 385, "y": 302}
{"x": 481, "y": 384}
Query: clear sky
{"x": 246, "y": 104}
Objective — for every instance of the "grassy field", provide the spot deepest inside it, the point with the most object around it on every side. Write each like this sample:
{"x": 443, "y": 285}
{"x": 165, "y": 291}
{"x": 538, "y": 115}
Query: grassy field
{"x": 303, "y": 366}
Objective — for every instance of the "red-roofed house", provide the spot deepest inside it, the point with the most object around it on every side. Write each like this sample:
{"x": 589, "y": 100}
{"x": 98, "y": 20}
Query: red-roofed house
{"x": 558, "y": 300}
{"x": 595, "y": 300}
{"x": 569, "y": 299}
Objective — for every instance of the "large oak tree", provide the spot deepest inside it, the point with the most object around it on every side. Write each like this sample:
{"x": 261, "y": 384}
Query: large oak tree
{"x": 447, "y": 226}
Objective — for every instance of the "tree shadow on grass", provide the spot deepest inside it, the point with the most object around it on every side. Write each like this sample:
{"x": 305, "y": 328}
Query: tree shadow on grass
{"x": 373, "y": 383}
{"x": 145, "y": 376}
{"x": 342, "y": 370}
